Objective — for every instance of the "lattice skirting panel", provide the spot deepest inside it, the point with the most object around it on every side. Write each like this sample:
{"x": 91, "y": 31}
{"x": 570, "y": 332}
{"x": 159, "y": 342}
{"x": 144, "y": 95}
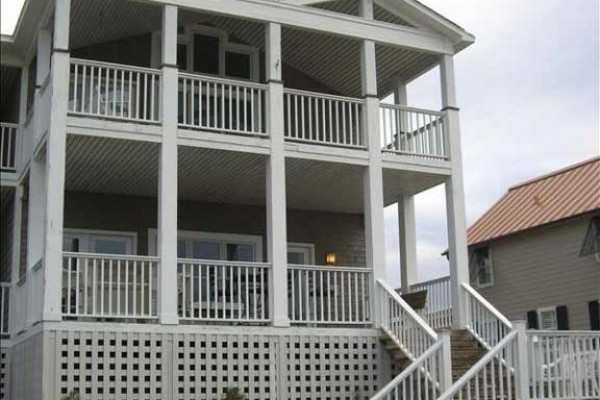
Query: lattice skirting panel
{"x": 135, "y": 362}
{"x": 4, "y": 373}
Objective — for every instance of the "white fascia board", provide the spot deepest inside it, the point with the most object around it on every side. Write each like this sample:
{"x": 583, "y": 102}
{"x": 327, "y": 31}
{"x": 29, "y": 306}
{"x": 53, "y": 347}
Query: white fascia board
{"x": 424, "y": 17}
{"x": 322, "y": 21}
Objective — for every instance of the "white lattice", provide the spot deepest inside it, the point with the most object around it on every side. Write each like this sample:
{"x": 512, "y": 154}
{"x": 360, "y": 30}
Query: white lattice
{"x": 4, "y": 373}
{"x": 200, "y": 363}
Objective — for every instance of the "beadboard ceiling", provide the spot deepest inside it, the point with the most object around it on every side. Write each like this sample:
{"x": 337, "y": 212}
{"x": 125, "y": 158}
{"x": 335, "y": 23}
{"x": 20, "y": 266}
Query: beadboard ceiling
{"x": 112, "y": 166}
{"x": 333, "y": 60}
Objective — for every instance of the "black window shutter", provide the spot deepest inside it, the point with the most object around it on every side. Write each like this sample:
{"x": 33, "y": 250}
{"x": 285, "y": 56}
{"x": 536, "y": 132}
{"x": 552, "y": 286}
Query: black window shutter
{"x": 532, "y": 320}
{"x": 562, "y": 318}
{"x": 594, "y": 307}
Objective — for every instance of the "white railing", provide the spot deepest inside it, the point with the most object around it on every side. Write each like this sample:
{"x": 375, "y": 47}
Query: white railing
{"x": 438, "y": 310}
{"x": 118, "y": 91}
{"x": 413, "y": 131}
{"x": 109, "y": 286}
{"x": 495, "y": 376}
{"x": 484, "y": 321}
{"x": 329, "y": 295}
{"x": 323, "y": 119}
{"x": 402, "y": 324}
{"x": 211, "y": 290}
{"x": 222, "y": 105}
{"x": 564, "y": 365}
{"x": 8, "y": 146}
{"x": 421, "y": 380}
{"x": 4, "y": 307}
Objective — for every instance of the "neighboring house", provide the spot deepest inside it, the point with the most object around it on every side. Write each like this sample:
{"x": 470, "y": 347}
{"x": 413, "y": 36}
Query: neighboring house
{"x": 536, "y": 253}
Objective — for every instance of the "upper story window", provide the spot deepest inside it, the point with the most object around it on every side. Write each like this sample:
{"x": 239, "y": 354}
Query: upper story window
{"x": 481, "y": 266}
{"x": 591, "y": 242}
{"x": 207, "y": 50}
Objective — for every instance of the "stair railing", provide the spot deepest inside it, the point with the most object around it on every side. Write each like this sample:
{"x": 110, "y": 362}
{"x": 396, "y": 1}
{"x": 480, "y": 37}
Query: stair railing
{"x": 497, "y": 375}
{"x": 484, "y": 321}
{"x": 402, "y": 324}
{"x": 422, "y": 379}
{"x": 429, "y": 373}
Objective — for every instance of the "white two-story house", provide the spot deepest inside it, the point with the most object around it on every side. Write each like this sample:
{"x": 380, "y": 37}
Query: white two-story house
{"x": 193, "y": 196}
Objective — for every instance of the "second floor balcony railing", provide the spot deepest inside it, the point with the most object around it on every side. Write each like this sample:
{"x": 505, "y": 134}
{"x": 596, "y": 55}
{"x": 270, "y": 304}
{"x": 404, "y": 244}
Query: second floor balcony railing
{"x": 222, "y": 105}
{"x": 319, "y": 118}
{"x": 8, "y": 147}
{"x": 413, "y": 131}
{"x": 114, "y": 91}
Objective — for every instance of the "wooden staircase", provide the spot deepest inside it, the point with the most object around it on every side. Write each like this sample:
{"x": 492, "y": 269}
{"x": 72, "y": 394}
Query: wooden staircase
{"x": 466, "y": 351}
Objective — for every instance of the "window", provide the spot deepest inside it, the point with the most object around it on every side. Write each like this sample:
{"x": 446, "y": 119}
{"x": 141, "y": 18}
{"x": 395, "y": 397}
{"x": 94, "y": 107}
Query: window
{"x": 481, "y": 266}
{"x": 207, "y": 54}
{"x": 237, "y": 65}
{"x": 99, "y": 242}
{"x": 301, "y": 253}
{"x": 214, "y": 246}
{"x": 547, "y": 318}
{"x": 182, "y": 56}
{"x": 591, "y": 242}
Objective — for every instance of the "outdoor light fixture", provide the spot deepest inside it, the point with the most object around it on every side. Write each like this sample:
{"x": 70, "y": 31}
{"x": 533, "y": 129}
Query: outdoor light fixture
{"x": 330, "y": 258}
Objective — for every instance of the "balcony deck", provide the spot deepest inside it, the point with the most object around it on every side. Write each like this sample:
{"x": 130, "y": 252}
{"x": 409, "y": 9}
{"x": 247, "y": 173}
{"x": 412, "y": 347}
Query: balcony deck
{"x": 233, "y": 112}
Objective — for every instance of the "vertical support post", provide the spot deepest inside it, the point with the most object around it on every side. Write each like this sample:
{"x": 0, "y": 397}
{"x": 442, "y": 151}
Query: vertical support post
{"x": 522, "y": 370}
{"x": 406, "y": 215}
{"x": 373, "y": 174}
{"x": 276, "y": 197}
{"x": 56, "y": 148}
{"x": 167, "y": 176}
{"x": 455, "y": 196}
{"x": 446, "y": 360}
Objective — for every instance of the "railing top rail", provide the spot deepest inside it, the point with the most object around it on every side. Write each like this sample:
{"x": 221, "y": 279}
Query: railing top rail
{"x": 224, "y": 262}
{"x": 472, "y": 372}
{"x": 431, "y": 281}
{"x": 406, "y": 372}
{"x": 487, "y": 305}
{"x": 323, "y": 95}
{"x": 408, "y": 309}
{"x": 9, "y": 125}
{"x": 110, "y": 256}
{"x": 534, "y": 332}
{"x": 414, "y": 109}
{"x": 332, "y": 268}
{"x": 5, "y": 284}
{"x": 105, "y": 64}
{"x": 215, "y": 79}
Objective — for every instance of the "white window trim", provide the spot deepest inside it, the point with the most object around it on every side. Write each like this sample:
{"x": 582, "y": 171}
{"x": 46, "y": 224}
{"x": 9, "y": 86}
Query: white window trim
{"x": 491, "y": 282}
{"x": 92, "y": 232}
{"x": 309, "y": 246}
{"x": 187, "y": 38}
{"x": 210, "y": 236}
{"x": 539, "y": 315}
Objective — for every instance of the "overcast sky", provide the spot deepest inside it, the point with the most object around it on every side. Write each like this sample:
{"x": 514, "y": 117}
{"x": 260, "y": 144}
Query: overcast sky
{"x": 528, "y": 90}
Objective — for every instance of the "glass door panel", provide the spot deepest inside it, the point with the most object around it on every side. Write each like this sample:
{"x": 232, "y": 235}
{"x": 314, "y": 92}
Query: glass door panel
{"x": 206, "y": 250}
{"x": 240, "y": 252}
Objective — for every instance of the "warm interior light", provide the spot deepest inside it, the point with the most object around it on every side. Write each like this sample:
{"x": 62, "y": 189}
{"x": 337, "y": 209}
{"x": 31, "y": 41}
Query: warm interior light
{"x": 330, "y": 259}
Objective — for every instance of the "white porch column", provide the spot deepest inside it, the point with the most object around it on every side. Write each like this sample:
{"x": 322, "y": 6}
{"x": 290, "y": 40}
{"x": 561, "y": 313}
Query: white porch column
{"x": 56, "y": 147}
{"x": 276, "y": 200}
{"x": 455, "y": 197}
{"x": 406, "y": 219}
{"x": 167, "y": 177}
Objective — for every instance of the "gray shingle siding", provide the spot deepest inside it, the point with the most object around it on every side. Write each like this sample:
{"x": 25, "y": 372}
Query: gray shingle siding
{"x": 340, "y": 233}
{"x": 542, "y": 268}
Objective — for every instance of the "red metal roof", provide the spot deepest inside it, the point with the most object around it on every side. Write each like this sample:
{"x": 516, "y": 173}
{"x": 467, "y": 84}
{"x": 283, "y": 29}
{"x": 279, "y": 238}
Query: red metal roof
{"x": 559, "y": 195}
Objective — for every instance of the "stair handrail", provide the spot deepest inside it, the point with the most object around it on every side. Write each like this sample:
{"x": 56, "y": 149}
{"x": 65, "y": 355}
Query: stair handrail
{"x": 418, "y": 368}
{"x": 485, "y": 322}
{"x": 509, "y": 362}
{"x": 413, "y": 345}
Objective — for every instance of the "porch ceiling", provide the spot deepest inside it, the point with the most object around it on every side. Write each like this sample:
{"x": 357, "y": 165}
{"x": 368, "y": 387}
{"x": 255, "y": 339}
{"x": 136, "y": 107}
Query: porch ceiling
{"x": 397, "y": 183}
{"x": 332, "y": 60}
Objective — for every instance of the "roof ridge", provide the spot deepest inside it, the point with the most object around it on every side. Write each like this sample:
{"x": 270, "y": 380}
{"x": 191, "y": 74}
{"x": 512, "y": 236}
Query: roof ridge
{"x": 554, "y": 173}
